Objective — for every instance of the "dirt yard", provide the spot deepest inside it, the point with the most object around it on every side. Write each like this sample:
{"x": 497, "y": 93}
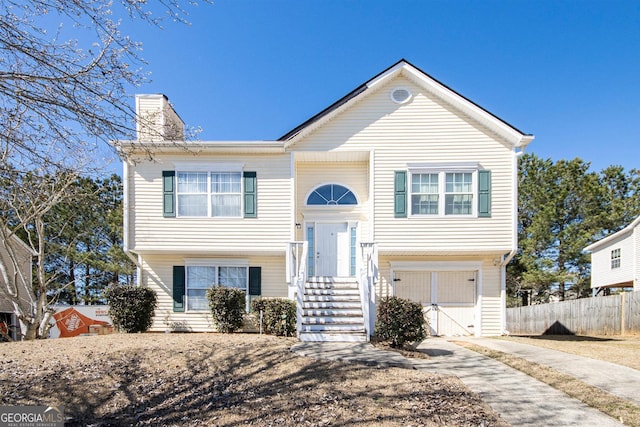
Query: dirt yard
{"x": 616, "y": 349}
{"x": 225, "y": 380}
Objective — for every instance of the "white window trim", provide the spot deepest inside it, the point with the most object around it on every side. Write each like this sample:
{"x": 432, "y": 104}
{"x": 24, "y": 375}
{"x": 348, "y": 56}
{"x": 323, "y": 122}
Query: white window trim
{"x": 216, "y": 263}
{"x": 209, "y": 168}
{"x": 441, "y": 170}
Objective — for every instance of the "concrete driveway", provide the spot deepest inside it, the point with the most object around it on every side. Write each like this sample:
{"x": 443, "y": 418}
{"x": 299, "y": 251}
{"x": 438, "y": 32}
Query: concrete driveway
{"x": 520, "y": 399}
{"x": 618, "y": 380}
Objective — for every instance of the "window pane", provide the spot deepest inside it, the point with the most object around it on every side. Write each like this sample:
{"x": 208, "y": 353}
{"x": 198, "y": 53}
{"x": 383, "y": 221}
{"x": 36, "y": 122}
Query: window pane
{"x": 325, "y": 193}
{"x": 311, "y": 252}
{"x": 192, "y": 205}
{"x": 197, "y": 299}
{"x": 192, "y": 182}
{"x": 233, "y": 277}
{"x": 458, "y": 204}
{"x": 200, "y": 277}
{"x": 316, "y": 199}
{"x": 192, "y": 194}
{"x": 226, "y": 182}
{"x": 348, "y": 198}
{"x": 458, "y": 182}
{"x": 424, "y": 204}
{"x": 227, "y": 205}
{"x": 424, "y": 183}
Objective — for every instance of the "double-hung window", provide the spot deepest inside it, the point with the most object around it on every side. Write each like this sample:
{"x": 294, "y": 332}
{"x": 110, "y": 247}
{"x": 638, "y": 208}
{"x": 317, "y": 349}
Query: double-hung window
{"x": 442, "y": 192}
{"x": 424, "y": 194}
{"x": 458, "y": 193}
{"x": 209, "y": 194}
{"x": 199, "y": 278}
{"x": 615, "y": 258}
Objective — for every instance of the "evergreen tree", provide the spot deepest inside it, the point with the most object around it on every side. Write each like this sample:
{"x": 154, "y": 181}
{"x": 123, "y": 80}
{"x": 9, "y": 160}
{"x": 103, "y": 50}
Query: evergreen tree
{"x": 564, "y": 207}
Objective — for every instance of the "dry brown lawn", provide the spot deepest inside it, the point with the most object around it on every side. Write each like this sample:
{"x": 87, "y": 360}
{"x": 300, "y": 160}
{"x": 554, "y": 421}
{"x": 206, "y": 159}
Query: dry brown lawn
{"x": 225, "y": 380}
{"x": 620, "y": 350}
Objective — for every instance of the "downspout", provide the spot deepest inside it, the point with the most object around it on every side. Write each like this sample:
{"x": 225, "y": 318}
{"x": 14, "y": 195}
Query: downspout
{"x": 506, "y": 258}
{"x": 125, "y": 224}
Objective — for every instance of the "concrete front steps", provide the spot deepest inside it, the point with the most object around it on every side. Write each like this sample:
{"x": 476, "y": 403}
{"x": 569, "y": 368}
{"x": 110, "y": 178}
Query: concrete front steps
{"x": 332, "y": 310}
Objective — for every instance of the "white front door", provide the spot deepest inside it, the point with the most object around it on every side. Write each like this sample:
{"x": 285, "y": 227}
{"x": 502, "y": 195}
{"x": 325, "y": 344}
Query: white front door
{"x": 332, "y": 249}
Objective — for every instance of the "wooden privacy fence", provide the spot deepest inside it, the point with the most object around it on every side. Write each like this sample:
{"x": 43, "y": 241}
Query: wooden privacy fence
{"x": 610, "y": 315}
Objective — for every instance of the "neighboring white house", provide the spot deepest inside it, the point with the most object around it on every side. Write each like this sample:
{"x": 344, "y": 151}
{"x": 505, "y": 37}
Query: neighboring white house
{"x": 615, "y": 260}
{"x": 15, "y": 284}
{"x": 402, "y": 187}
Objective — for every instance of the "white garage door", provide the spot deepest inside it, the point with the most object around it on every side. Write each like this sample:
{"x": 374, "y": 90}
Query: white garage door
{"x": 448, "y": 298}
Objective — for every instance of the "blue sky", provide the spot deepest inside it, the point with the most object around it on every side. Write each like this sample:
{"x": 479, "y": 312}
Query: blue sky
{"x": 566, "y": 71}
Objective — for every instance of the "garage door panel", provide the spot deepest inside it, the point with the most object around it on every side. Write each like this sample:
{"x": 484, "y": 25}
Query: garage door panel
{"x": 456, "y": 287}
{"x": 413, "y": 285}
{"x": 454, "y": 321}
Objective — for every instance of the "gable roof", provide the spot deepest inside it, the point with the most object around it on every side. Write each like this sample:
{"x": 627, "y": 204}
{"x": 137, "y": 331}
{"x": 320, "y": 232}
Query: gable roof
{"x": 493, "y": 122}
{"x": 602, "y": 242}
{"x": 6, "y": 232}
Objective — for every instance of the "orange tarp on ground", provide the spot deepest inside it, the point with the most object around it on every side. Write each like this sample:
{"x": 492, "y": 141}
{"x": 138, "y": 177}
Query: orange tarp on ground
{"x": 72, "y": 323}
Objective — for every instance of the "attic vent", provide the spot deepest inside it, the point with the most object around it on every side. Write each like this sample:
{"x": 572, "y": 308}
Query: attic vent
{"x": 400, "y": 95}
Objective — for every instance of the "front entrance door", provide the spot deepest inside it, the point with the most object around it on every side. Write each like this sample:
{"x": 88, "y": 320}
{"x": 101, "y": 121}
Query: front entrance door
{"x": 332, "y": 249}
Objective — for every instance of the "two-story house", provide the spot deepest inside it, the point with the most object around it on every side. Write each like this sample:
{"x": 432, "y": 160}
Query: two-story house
{"x": 402, "y": 187}
{"x": 615, "y": 259}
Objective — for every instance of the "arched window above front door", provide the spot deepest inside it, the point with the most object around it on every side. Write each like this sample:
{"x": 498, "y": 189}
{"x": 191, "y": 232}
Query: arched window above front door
{"x": 331, "y": 194}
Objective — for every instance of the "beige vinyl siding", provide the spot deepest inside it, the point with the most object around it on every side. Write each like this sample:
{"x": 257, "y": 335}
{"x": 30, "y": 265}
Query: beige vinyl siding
{"x": 601, "y": 272}
{"x": 270, "y": 231}
{"x": 158, "y": 275}
{"x": 425, "y": 130}
{"x": 354, "y": 176}
{"x": 157, "y": 120}
{"x": 636, "y": 259}
{"x": 491, "y": 304}
{"x": 25, "y": 296}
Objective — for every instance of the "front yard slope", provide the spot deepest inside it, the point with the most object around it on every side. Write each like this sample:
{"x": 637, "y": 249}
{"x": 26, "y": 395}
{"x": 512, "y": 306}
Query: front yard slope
{"x": 226, "y": 380}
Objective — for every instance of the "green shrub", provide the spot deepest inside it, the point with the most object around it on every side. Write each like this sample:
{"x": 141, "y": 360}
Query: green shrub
{"x": 227, "y": 308}
{"x": 400, "y": 321}
{"x": 131, "y": 307}
{"x": 278, "y": 315}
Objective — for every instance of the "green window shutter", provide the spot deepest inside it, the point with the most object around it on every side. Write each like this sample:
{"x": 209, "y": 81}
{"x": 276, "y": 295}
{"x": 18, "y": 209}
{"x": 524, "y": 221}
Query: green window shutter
{"x": 168, "y": 194}
{"x": 400, "y": 194}
{"x": 250, "y": 195}
{"x": 178, "y": 287}
{"x": 255, "y": 281}
{"x": 484, "y": 193}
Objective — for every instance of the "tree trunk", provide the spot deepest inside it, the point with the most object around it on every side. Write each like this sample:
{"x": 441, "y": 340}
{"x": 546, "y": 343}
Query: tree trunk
{"x": 72, "y": 280}
{"x": 87, "y": 284}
